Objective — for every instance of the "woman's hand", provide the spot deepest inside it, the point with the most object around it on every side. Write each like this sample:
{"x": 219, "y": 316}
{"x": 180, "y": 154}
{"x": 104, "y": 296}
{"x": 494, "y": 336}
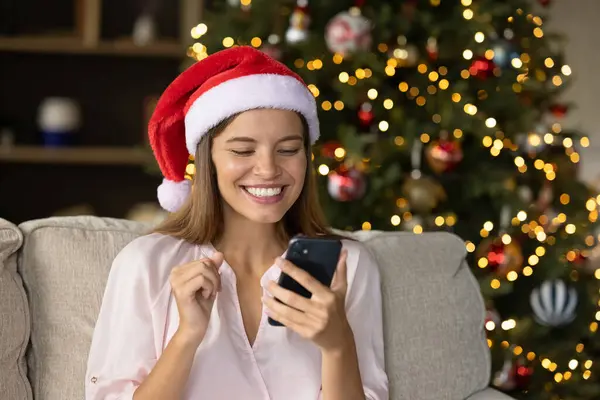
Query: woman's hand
{"x": 195, "y": 286}
{"x": 322, "y": 318}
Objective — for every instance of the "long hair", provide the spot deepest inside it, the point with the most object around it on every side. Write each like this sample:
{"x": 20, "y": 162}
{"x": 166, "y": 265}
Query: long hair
{"x": 200, "y": 219}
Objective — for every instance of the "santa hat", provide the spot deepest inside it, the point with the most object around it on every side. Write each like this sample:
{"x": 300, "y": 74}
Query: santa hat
{"x": 219, "y": 86}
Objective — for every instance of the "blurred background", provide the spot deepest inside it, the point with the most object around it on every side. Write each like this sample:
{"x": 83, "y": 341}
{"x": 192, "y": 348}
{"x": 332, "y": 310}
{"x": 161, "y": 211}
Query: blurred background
{"x": 93, "y": 69}
{"x": 476, "y": 117}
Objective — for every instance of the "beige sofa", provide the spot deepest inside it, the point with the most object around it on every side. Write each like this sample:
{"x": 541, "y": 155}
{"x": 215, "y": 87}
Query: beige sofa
{"x": 53, "y": 272}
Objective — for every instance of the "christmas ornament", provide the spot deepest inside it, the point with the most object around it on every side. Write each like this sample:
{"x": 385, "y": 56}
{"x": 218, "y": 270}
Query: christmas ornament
{"x": 504, "y": 52}
{"x": 346, "y": 184}
{"x": 272, "y": 51}
{"x": 328, "y": 148}
{"x": 502, "y": 258}
{"x": 513, "y": 375}
{"x": 299, "y": 23}
{"x": 348, "y": 33}
{"x": 482, "y": 68}
{"x": 432, "y": 48}
{"x": 503, "y": 253}
{"x": 553, "y": 303}
{"x": 558, "y": 110}
{"x": 365, "y": 114}
{"x": 443, "y": 155}
{"x": 422, "y": 192}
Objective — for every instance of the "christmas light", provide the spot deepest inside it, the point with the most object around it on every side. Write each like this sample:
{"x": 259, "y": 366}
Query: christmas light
{"x": 527, "y": 271}
{"x": 444, "y": 84}
{"x": 314, "y": 90}
{"x": 470, "y": 246}
{"x": 388, "y": 104}
{"x": 467, "y": 54}
{"x": 479, "y": 37}
{"x": 468, "y": 14}
{"x": 395, "y": 220}
{"x": 398, "y": 141}
{"x": 538, "y": 33}
{"x": 228, "y": 42}
{"x": 421, "y": 101}
{"x": 323, "y": 169}
{"x": 433, "y": 76}
{"x": 557, "y": 80}
{"x": 584, "y": 141}
{"x": 573, "y": 364}
{"x": 372, "y": 94}
{"x": 403, "y": 86}
{"x": 343, "y": 77}
{"x": 566, "y": 70}
{"x": 549, "y": 62}
{"x": 512, "y": 276}
{"x": 418, "y": 229}
{"x": 384, "y": 126}
{"x": 509, "y": 323}
{"x": 490, "y": 122}
{"x": 366, "y": 226}
{"x": 256, "y": 42}
{"x": 456, "y": 97}
{"x": 338, "y": 105}
{"x": 466, "y": 3}
{"x": 326, "y": 105}
{"x": 516, "y": 62}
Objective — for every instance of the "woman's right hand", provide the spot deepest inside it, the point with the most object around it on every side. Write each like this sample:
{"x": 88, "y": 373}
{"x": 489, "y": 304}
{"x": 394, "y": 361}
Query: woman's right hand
{"x": 195, "y": 286}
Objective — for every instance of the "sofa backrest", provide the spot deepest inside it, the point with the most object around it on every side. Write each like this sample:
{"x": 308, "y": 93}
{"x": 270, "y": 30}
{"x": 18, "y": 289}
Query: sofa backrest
{"x": 433, "y": 310}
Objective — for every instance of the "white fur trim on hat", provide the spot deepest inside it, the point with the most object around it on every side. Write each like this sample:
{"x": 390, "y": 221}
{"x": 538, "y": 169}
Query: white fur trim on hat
{"x": 247, "y": 93}
{"x": 172, "y": 195}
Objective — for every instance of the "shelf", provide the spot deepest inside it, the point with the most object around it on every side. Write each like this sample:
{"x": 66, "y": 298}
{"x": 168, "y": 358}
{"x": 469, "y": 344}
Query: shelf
{"x": 74, "y": 45}
{"x": 75, "y": 155}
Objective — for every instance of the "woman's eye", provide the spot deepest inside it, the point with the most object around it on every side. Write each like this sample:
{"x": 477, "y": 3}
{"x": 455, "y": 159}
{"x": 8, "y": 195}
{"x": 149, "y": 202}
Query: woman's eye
{"x": 242, "y": 152}
{"x": 289, "y": 151}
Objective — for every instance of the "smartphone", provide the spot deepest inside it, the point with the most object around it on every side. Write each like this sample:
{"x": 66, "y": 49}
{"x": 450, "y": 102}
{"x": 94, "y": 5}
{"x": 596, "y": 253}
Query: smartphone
{"x": 317, "y": 256}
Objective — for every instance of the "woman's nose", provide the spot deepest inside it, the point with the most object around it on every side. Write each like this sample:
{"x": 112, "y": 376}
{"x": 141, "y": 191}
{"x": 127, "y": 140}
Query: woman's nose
{"x": 266, "y": 166}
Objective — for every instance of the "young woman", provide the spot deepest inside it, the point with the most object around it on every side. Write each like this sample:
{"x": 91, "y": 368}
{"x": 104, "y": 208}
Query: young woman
{"x": 185, "y": 311}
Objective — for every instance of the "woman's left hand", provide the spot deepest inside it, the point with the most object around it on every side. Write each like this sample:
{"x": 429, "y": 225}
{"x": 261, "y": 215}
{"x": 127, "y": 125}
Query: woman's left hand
{"x": 322, "y": 318}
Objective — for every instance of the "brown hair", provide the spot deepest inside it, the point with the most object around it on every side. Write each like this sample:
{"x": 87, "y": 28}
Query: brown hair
{"x": 200, "y": 219}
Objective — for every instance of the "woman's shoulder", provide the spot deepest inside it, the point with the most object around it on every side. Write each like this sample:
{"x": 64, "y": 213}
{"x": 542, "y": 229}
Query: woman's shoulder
{"x": 155, "y": 255}
{"x": 359, "y": 255}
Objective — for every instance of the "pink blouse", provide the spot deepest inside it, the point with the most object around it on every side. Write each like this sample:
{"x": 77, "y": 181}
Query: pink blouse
{"x": 139, "y": 316}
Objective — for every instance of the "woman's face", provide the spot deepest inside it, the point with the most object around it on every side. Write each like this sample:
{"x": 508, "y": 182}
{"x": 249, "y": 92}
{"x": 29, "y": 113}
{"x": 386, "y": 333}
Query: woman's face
{"x": 261, "y": 163}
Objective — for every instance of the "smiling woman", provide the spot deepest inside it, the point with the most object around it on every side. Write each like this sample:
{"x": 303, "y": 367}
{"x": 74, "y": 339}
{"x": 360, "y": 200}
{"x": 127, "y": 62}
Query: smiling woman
{"x": 186, "y": 308}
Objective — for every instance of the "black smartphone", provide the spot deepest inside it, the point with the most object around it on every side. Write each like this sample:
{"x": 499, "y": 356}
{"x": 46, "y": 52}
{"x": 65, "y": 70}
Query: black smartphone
{"x": 317, "y": 256}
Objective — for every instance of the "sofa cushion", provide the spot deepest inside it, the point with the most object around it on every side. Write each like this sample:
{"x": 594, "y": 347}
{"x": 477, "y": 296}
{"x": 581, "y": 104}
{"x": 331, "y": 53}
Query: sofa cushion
{"x": 64, "y": 264}
{"x": 433, "y": 316}
{"x": 14, "y": 325}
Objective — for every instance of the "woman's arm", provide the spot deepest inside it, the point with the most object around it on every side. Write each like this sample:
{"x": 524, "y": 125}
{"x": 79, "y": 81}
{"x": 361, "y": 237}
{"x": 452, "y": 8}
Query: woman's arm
{"x": 340, "y": 374}
{"x": 169, "y": 376}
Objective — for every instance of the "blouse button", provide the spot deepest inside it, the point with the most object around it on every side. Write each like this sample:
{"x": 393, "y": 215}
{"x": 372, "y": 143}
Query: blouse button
{"x": 94, "y": 379}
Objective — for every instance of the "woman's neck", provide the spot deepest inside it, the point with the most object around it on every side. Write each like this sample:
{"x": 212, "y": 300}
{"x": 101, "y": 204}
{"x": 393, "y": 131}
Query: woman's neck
{"x": 249, "y": 247}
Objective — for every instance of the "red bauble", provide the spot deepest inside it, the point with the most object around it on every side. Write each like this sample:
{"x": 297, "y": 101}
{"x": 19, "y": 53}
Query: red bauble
{"x": 501, "y": 258}
{"x": 328, "y": 148}
{"x": 444, "y": 155}
{"x": 365, "y": 114}
{"x": 482, "y": 68}
{"x": 559, "y": 110}
{"x": 346, "y": 184}
{"x": 522, "y": 375}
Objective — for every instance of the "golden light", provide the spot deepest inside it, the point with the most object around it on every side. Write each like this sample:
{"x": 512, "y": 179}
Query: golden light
{"x": 343, "y": 77}
{"x": 323, "y": 169}
{"x": 527, "y": 271}
{"x": 403, "y": 87}
{"x": 326, "y": 105}
{"x": 570, "y": 229}
{"x": 479, "y": 37}
{"x": 467, "y": 54}
{"x": 495, "y": 284}
{"x": 538, "y": 32}
{"x": 516, "y": 62}
{"x": 256, "y": 42}
{"x": 490, "y": 122}
{"x": 488, "y": 226}
{"x": 512, "y": 276}
{"x": 395, "y": 220}
{"x": 584, "y": 141}
{"x": 548, "y": 62}
{"x": 384, "y": 126}
{"x": 388, "y": 104}
{"x": 314, "y": 90}
{"x": 366, "y": 226}
{"x": 468, "y": 14}
{"x": 372, "y": 94}
{"x": 338, "y": 105}
{"x": 228, "y": 42}
{"x": 444, "y": 84}
{"x": 566, "y": 70}
{"x": 508, "y": 324}
{"x": 339, "y": 152}
{"x": 573, "y": 364}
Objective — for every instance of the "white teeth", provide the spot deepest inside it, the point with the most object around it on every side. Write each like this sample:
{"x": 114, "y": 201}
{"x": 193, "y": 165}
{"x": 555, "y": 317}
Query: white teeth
{"x": 264, "y": 192}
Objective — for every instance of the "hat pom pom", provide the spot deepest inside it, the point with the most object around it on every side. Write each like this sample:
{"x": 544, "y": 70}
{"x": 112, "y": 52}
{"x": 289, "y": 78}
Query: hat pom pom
{"x": 172, "y": 195}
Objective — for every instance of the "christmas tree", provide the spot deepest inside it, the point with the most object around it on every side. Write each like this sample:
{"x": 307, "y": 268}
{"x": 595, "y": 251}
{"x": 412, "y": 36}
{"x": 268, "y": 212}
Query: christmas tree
{"x": 446, "y": 115}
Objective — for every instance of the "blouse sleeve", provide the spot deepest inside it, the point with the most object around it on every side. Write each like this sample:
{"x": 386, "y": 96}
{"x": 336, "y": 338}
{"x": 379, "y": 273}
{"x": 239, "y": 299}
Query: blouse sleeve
{"x": 364, "y": 313}
{"x": 122, "y": 351}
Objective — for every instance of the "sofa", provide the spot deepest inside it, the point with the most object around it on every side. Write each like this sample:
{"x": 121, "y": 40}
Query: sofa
{"x": 53, "y": 272}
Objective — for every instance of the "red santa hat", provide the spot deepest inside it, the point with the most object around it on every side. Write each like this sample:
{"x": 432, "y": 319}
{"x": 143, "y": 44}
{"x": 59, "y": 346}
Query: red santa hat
{"x": 219, "y": 86}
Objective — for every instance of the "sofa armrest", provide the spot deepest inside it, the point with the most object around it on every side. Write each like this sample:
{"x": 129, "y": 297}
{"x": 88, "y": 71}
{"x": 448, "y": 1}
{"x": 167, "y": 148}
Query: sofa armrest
{"x": 489, "y": 394}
